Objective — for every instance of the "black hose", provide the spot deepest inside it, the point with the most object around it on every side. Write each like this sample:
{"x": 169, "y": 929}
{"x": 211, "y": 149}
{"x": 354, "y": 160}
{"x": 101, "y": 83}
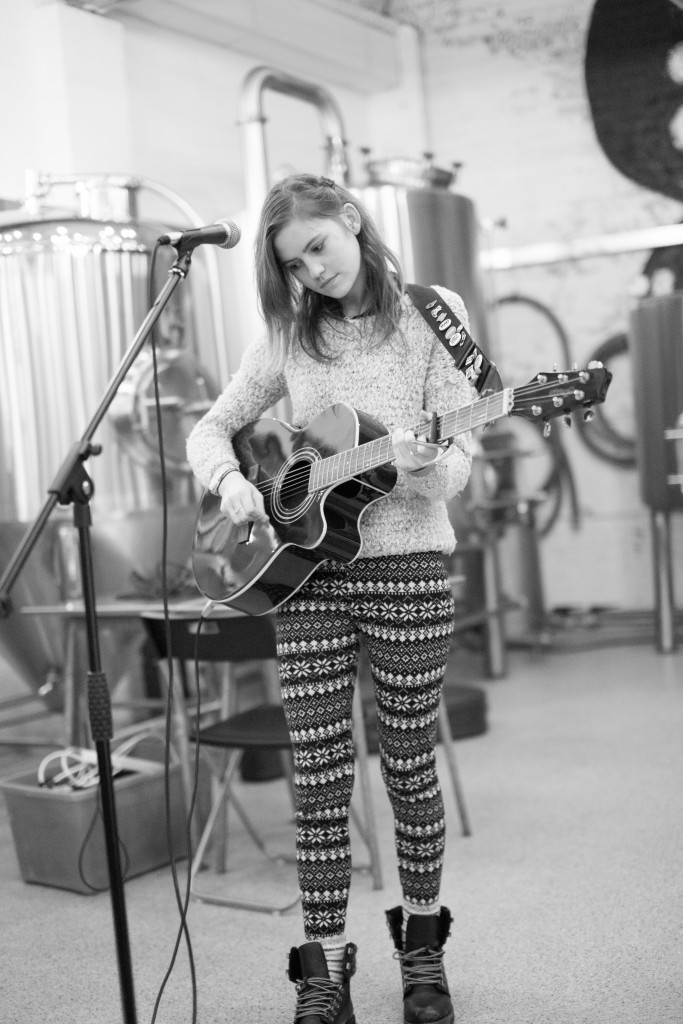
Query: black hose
{"x": 598, "y": 434}
{"x": 545, "y": 311}
{"x": 560, "y": 477}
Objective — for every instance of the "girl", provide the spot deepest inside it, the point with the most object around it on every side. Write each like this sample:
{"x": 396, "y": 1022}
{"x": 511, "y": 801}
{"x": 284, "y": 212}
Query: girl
{"x": 341, "y": 329}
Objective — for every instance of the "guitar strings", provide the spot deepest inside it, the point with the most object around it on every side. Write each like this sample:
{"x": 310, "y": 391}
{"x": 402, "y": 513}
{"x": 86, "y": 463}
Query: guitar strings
{"x": 296, "y": 480}
{"x": 480, "y": 410}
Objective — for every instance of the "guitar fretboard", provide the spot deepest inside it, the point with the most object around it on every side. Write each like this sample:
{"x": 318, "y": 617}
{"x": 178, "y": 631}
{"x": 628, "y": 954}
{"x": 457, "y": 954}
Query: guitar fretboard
{"x": 346, "y": 465}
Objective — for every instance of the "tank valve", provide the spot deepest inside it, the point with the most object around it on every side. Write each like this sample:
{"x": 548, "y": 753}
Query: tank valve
{"x": 676, "y": 436}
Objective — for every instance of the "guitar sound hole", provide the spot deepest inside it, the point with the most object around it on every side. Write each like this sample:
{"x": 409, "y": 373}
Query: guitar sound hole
{"x": 293, "y": 491}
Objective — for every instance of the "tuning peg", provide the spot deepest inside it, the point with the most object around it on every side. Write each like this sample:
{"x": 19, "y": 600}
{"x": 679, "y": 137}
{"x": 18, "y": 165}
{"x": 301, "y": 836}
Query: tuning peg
{"x": 589, "y": 415}
{"x": 546, "y": 428}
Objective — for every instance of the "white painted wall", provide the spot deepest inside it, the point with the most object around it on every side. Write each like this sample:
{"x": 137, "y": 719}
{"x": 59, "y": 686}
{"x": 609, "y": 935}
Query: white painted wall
{"x": 86, "y": 92}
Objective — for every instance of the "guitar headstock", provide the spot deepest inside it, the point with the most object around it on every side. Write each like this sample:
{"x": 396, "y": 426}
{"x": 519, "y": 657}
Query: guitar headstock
{"x": 550, "y": 395}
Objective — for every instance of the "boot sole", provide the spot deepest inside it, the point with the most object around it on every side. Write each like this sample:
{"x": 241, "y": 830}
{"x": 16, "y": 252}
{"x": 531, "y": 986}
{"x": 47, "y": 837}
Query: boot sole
{"x": 448, "y": 1019}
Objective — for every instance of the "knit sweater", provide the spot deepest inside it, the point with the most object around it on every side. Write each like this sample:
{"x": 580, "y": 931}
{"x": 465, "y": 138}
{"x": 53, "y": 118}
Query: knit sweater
{"x": 392, "y": 381}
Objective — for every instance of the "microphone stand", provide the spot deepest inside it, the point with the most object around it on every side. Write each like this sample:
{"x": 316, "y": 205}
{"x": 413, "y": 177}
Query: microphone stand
{"x": 73, "y": 486}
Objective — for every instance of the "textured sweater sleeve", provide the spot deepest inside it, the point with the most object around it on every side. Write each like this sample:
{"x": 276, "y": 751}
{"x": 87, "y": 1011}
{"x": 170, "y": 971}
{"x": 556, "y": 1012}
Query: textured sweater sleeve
{"x": 253, "y": 389}
{"x": 446, "y": 389}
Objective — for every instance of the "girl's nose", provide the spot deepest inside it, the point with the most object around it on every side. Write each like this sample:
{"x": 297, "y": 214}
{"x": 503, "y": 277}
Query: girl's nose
{"x": 316, "y": 268}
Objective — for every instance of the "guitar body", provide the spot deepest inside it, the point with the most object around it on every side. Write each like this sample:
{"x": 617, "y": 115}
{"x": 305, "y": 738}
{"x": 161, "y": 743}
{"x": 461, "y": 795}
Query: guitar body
{"x": 258, "y": 569}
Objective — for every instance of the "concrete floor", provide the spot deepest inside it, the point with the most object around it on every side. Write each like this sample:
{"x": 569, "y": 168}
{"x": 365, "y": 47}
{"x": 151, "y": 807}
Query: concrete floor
{"x": 567, "y": 898}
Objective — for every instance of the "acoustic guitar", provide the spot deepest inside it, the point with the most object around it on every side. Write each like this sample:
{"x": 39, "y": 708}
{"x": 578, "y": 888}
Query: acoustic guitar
{"x": 318, "y": 481}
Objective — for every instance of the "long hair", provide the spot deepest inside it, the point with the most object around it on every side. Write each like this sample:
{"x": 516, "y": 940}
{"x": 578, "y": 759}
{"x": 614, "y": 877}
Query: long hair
{"x": 294, "y": 314}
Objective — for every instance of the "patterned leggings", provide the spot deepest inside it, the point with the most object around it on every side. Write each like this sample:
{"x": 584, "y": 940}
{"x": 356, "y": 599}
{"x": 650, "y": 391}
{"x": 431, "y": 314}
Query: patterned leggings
{"x": 403, "y": 608}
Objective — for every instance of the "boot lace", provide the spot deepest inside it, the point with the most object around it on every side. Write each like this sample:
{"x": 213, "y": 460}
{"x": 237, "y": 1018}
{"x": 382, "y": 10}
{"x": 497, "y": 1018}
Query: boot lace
{"x": 421, "y": 966}
{"x": 315, "y": 996}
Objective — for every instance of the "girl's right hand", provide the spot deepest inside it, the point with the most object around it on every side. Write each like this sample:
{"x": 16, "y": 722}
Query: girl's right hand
{"x": 241, "y": 502}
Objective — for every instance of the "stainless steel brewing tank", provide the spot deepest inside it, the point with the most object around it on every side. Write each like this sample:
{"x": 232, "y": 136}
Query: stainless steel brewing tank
{"x": 432, "y": 229}
{"x": 656, "y": 347}
{"x": 73, "y": 293}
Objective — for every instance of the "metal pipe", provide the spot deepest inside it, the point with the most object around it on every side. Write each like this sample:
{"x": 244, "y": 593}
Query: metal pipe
{"x": 583, "y": 248}
{"x": 252, "y": 122}
{"x": 212, "y": 271}
{"x": 663, "y": 581}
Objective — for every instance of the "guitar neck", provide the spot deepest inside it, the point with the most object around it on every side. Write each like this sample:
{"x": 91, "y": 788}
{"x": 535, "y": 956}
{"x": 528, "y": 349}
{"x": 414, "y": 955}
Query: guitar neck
{"x": 346, "y": 465}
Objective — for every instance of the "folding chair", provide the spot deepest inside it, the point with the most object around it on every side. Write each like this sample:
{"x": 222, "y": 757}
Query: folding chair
{"x": 229, "y": 639}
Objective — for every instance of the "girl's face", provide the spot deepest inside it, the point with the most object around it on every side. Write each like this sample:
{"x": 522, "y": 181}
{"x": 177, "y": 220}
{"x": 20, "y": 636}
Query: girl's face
{"x": 324, "y": 255}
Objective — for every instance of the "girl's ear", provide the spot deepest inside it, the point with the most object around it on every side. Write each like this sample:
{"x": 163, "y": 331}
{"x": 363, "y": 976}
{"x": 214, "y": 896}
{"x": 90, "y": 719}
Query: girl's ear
{"x": 352, "y": 217}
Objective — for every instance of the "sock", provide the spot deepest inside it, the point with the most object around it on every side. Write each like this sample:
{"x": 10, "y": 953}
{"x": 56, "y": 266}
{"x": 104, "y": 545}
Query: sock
{"x": 334, "y": 947}
{"x": 427, "y": 909}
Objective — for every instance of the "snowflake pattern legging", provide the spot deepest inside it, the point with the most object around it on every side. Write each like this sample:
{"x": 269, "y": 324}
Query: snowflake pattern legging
{"x": 402, "y": 606}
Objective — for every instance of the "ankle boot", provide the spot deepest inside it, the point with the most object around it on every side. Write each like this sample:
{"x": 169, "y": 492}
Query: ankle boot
{"x": 320, "y": 1000}
{"x": 426, "y": 999}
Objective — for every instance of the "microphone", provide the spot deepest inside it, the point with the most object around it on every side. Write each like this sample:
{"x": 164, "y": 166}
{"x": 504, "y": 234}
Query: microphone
{"x": 224, "y": 233}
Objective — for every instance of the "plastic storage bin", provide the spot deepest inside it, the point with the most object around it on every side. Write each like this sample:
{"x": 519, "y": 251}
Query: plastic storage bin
{"x": 59, "y": 833}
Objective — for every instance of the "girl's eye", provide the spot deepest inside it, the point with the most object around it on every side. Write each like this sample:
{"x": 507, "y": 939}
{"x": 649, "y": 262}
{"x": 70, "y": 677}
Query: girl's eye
{"x": 318, "y": 247}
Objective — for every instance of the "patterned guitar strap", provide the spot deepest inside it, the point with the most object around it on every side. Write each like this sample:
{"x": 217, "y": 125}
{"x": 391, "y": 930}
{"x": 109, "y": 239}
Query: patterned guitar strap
{"x": 468, "y": 357}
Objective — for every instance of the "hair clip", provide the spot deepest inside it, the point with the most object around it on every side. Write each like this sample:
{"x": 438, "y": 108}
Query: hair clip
{"x": 328, "y": 182}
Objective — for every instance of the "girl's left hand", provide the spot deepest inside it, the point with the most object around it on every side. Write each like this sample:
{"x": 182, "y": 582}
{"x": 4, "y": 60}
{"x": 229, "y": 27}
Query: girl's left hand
{"x": 411, "y": 454}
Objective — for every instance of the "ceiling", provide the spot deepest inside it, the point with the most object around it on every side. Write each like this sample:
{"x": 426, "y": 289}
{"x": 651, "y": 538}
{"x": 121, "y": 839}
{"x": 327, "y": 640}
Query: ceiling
{"x": 432, "y": 17}
{"x": 269, "y": 29}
